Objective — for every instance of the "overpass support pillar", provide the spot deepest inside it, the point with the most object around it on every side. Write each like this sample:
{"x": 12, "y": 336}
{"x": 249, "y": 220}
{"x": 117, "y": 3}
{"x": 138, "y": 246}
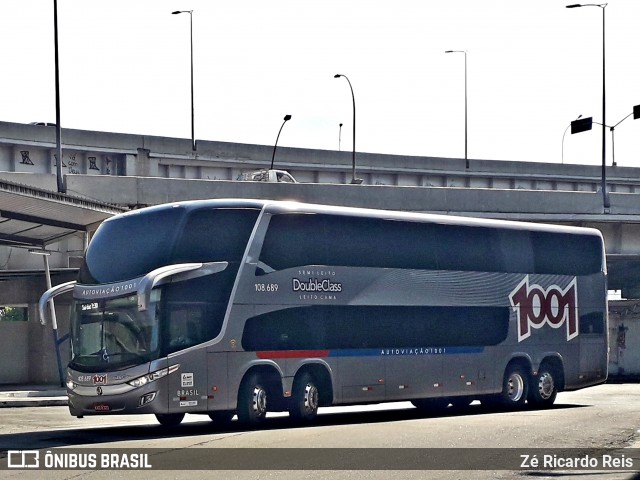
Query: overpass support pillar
{"x": 141, "y": 165}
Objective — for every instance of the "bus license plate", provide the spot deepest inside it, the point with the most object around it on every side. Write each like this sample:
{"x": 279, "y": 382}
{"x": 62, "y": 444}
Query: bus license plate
{"x": 101, "y": 407}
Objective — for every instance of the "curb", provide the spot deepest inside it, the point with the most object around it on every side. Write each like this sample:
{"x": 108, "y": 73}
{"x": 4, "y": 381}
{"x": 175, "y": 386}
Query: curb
{"x": 33, "y": 402}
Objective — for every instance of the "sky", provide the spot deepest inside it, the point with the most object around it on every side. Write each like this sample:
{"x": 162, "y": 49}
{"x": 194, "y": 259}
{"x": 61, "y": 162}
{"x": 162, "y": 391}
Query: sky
{"x": 532, "y": 68}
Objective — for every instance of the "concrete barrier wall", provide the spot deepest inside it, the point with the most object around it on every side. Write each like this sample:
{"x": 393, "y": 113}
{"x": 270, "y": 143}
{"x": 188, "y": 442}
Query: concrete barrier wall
{"x": 624, "y": 339}
{"x": 29, "y": 148}
{"x": 14, "y": 343}
{"x": 486, "y": 202}
{"x": 28, "y": 348}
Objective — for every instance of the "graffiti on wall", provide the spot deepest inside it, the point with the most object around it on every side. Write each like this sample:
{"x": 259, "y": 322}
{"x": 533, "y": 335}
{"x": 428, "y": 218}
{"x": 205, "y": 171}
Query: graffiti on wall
{"x": 73, "y": 164}
{"x": 25, "y": 157}
{"x": 621, "y": 345}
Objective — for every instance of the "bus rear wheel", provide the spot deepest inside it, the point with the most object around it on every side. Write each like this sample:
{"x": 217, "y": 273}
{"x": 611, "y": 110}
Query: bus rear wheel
{"x": 169, "y": 419}
{"x": 515, "y": 387}
{"x": 252, "y": 400}
{"x": 305, "y": 398}
{"x": 544, "y": 388}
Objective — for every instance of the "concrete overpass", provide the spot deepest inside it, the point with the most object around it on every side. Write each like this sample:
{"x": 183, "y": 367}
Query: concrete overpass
{"x": 136, "y": 170}
{"x": 31, "y": 149}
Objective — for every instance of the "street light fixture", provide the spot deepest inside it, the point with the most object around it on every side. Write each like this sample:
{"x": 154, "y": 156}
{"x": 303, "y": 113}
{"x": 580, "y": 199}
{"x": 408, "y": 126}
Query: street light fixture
{"x": 190, "y": 12}
{"x": 354, "y": 180}
{"x": 605, "y": 195}
{"x": 565, "y": 132}
{"x": 466, "y": 159}
{"x": 273, "y": 155}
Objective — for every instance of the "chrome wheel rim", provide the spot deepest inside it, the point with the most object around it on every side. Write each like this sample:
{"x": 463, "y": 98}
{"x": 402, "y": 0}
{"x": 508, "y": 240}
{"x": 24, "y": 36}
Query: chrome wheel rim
{"x": 310, "y": 398}
{"x": 546, "y": 386}
{"x": 515, "y": 387}
{"x": 259, "y": 401}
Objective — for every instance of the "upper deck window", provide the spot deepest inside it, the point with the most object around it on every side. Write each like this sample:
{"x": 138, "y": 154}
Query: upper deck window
{"x": 300, "y": 239}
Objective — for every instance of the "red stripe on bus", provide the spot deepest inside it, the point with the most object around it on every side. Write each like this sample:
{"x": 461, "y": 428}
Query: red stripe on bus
{"x": 293, "y": 354}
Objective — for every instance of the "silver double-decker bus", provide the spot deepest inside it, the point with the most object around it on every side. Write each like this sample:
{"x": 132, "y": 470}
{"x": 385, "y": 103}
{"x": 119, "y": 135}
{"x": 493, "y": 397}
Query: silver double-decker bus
{"x": 244, "y": 307}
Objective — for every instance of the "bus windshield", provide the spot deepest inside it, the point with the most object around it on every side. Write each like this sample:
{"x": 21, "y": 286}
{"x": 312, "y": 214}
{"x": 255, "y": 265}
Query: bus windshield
{"x": 112, "y": 334}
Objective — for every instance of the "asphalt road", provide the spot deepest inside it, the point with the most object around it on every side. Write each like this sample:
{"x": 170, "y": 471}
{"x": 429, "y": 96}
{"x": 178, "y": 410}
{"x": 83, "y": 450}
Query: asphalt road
{"x": 598, "y": 420}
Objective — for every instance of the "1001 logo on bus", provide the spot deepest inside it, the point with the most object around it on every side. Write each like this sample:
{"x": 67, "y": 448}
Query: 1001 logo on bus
{"x": 536, "y": 307}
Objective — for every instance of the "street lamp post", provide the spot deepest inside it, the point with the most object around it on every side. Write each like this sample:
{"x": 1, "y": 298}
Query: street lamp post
{"x": 62, "y": 188}
{"x": 339, "y": 137}
{"x": 190, "y": 12}
{"x": 466, "y": 158}
{"x": 605, "y": 195}
{"x": 275, "y": 145}
{"x": 613, "y": 144}
{"x": 353, "y": 152}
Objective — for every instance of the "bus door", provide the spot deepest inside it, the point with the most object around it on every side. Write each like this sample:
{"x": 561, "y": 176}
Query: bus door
{"x": 184, "y": 333}
{"x": 188, "y": 386}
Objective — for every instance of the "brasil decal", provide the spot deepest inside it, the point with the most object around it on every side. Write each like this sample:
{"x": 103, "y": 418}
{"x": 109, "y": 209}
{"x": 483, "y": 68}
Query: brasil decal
{"x": 536, "y": 307}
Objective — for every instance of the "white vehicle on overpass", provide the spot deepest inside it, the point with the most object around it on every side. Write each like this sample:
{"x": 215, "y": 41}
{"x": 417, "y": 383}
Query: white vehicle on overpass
{"x": 272, "y": 176}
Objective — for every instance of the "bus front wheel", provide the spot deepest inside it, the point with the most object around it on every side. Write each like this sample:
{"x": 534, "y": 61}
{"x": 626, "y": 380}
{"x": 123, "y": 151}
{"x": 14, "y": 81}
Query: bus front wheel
{"x": 252, "y": 400}
{"x": 305, "y": 397}
{"x": 169, "y": 419}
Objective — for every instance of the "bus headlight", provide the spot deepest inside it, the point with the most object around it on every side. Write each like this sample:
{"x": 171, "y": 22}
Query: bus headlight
{"x": 70, "y": 384}
{"x": 152, "y": 377}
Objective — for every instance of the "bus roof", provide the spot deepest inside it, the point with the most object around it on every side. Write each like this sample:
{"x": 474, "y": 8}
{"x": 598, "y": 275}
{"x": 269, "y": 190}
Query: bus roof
{"x": 287, "y": 206}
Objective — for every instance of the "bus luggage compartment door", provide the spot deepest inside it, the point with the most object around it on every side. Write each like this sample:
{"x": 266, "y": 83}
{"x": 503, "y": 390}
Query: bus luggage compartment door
{"x": 412, "y": 373}
{"x": 362, "y": 379}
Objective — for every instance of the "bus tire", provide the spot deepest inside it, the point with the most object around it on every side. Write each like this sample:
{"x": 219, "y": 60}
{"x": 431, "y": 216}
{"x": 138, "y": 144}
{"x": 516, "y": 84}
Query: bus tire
{"x": 169, "y": 419}
{"x": 515, "y": 387}
{"x": 252, "y": 400}
{"x": 544, "y": 387}
{"x": 305, "y": 398}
